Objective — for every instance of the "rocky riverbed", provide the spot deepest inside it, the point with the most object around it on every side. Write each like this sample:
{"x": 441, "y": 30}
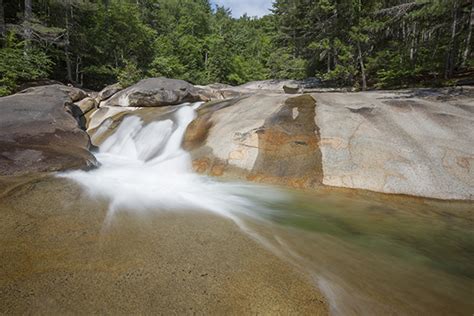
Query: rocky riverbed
{"x": 70, "y": 248}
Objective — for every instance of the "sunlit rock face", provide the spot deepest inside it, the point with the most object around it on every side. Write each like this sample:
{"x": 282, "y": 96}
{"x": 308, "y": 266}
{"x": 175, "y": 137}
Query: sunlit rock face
{"x": 109, "y": 91}
{"x": 40, "y": 131}
{"x": 416, "y": 143}
{"x": 75, "y": 94}
{"x": 87, "y": 104}
{"x": 407, "y": 142}
{"x": 155, "y": 92}
{"x": 269, "y": 138}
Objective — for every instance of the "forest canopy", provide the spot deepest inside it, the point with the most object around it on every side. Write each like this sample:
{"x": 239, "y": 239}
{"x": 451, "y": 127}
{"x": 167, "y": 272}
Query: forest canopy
{"x": 354, "y": 43}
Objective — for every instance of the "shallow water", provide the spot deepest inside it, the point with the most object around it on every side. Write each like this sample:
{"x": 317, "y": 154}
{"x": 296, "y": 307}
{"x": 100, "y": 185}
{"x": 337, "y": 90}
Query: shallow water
{"x": 377, "y": 254}
{"x": 369, "y": 253}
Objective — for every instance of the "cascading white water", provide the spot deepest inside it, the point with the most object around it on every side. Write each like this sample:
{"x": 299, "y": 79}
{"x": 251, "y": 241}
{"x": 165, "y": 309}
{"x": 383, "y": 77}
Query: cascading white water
{"x": 144, "y": 168}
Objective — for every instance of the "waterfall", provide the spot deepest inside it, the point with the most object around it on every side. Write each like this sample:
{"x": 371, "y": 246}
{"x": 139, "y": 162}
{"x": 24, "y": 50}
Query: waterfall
{"x": 143, "y": 168}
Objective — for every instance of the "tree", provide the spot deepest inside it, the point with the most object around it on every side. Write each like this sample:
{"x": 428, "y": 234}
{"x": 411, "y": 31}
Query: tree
{"x": 3, "y": 29}
{"x": 17, "y": 67}
{"x": 28, "y": 16}
{"x": 357, "y": 43}
{"x": 467, "y": 50}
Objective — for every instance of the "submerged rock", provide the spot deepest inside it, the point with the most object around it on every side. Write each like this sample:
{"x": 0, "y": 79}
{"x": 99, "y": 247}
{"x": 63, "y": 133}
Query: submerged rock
{"x": 393, "y": 142}
{"x": 156, "y": 92}
{"x": 38, "y": 132}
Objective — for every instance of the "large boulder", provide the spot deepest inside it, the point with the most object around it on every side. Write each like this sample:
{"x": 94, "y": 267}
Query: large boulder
{"x": 269, "y": 138}
{"x": 409, "y": 142}
{"x": 155, "y": 92}
{"x": 109, "y": 91}
{"x": 75, "y": 94}
{"x": 39, "y": 133}
{"x": 291, "y": 89}
{"x": 417, "y": 143}
{"x": 37, "y": 83}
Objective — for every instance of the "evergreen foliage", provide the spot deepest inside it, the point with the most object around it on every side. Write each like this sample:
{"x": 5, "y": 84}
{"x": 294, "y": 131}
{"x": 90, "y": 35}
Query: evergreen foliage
{"x": 358, "y": 43}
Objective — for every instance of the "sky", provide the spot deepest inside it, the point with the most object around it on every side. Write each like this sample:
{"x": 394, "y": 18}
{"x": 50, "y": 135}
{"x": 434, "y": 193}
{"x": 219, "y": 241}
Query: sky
{"x": 251, "y": 7}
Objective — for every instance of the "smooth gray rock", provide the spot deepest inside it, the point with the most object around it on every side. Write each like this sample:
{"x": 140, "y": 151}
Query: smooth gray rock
{"x": 75, "y": 94}
{"x": 275, "y": 85}
{"x": 109, "y": 91}
{"x": 39, "y": 134}
{"x": 416, "y": 142}
{"x": 407, "y": 142}
{"x": 291, "y": 88}
{"x": 155, "y": 92}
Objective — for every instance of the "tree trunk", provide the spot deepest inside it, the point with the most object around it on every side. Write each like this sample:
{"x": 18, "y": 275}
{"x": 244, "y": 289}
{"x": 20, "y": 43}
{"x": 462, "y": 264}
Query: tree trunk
{"x": 27, "y": 32}
{"x": 362, "y": 67}
{"x": 2, "y": 23}
{"x": 413, "y": 43}
{"x": 449, "y": 69}
{"x": 467, "y": 51}
{"x": 66, "y": 46}
{"x": 78, "y": 68}
{"x": 329, "y": 61}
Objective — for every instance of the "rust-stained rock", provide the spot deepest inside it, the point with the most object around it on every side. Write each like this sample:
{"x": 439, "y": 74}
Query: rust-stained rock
{"x": 404, "y": 142}
{"x": 265, "y": 138}
{"x": 415, "y": 142}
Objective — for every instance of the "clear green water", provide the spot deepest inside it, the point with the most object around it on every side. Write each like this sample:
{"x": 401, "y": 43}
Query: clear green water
{"x": 370, "y": 254}
{"x": 380, "y": 254}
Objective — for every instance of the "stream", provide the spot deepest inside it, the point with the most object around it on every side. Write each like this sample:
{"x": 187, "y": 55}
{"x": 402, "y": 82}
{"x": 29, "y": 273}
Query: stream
{"x": 368, "y": 253}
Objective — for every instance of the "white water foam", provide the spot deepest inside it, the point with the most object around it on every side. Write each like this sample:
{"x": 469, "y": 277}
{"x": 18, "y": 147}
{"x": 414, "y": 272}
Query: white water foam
{"x": 144, "y": 168}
